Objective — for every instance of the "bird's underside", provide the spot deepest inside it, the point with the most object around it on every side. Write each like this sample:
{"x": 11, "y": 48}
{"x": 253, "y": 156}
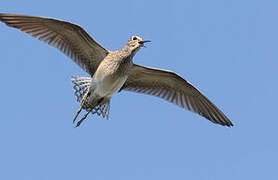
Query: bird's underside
{"x": 76, "y": 43}
{"x": 100, "y": 107}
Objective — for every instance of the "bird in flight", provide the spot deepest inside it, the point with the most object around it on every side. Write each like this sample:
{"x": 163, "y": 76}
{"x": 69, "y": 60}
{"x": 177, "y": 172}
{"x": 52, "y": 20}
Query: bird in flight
{"x": 112, "y": 71}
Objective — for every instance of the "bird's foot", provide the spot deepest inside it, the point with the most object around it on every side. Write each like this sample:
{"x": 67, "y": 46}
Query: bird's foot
{"x": 82, "y": 119}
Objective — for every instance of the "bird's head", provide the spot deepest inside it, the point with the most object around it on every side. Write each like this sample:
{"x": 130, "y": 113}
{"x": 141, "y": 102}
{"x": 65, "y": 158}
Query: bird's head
{"x": 135, "y": 43}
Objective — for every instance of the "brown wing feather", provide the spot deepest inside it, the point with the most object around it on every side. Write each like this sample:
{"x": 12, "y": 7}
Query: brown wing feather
{"x": 173, "y": 88}
{"x": 71, "y": 39}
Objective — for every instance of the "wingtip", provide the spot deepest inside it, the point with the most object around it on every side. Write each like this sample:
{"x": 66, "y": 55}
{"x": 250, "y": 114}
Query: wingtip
{"x": 228, "y": 124}
{"x": 5, "y": 18}
{"x": 3, "y": 15}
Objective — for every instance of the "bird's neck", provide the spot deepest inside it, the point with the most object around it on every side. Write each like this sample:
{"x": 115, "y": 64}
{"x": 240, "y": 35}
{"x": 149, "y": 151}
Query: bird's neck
{"x": 130, "y": 53}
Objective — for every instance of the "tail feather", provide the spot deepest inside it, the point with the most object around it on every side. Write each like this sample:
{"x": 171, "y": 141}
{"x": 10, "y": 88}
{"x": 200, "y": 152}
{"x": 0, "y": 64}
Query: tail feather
{"x": 101, "y": 110}
{"x": 81, "y": 86}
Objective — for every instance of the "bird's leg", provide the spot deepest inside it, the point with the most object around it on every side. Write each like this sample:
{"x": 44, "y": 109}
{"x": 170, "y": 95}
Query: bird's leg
{"x": 83, "y": 118}
{"x": 78, "y": 112}
{"x": 81, "y": 107}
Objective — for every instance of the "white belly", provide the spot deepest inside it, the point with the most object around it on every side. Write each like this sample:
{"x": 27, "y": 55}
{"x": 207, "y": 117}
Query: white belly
{"x": 107, "y": 86}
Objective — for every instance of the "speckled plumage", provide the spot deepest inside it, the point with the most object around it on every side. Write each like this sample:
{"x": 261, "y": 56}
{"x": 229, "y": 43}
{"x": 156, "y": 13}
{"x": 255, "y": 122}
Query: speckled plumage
{"x": 113, "y": 71}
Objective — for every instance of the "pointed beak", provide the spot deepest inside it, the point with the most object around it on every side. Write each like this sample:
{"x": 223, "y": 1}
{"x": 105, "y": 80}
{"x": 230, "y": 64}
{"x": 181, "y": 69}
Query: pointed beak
{"x": 142, "y": 42}
{"x": 146, "y": 41}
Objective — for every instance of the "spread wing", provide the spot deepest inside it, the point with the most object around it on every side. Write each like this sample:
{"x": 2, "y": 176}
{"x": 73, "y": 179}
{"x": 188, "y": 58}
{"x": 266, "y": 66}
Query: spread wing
{"x": 173, "y": 88}
{"x": 71, "y": 39}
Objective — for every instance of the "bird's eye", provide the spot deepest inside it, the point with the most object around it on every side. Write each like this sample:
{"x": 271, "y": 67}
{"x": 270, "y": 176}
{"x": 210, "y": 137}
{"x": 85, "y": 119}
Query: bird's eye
{"x": 134, "y": 38}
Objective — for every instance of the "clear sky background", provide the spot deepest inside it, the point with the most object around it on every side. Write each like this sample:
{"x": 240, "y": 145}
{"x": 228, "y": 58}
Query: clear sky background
{"x": 227, "y": 49}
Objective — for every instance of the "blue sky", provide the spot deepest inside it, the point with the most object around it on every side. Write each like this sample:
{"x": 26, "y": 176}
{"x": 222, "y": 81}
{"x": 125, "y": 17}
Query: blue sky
{"x": 227, "y": 49}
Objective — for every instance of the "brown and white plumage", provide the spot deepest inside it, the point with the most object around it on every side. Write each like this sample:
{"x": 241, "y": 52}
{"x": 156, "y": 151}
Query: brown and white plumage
{"x": 69, "y": 38}
{"x": 173, "y": 88}
{"x": 112, "y": 71}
